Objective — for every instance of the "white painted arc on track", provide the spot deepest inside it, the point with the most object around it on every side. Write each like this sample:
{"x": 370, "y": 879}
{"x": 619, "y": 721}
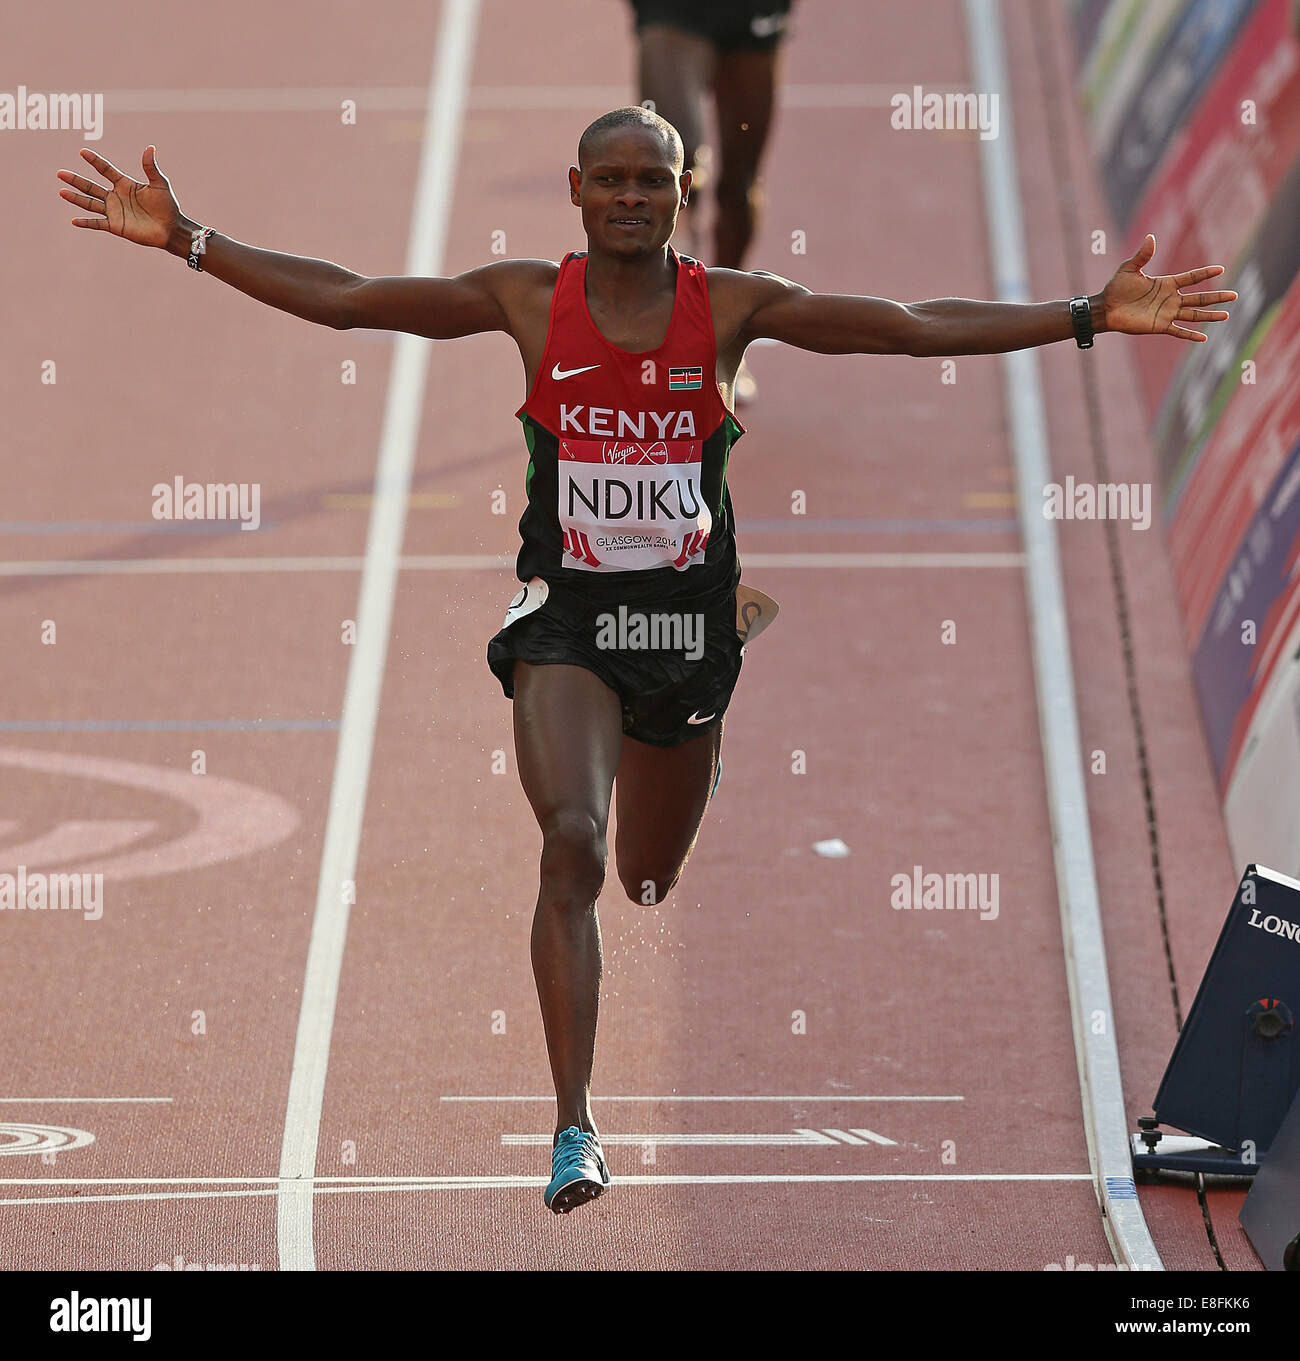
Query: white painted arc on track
{"x": 234, "y": 819}
{"x": 20, "y": 1139}
{"x": 426, "y": 249}
{"x": 1076, "y": 875}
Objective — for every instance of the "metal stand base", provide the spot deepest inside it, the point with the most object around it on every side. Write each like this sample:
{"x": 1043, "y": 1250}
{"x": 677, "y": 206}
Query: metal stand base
{"x": 1156, "y": 1152}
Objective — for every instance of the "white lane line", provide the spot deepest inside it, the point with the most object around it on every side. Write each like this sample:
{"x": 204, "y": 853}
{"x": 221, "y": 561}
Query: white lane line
{"x": 272, "y": 1182}
{"x": 1100, "y": 1087}
{"x": 494, "y": 1179}
{"x": 109, "y": 567}
{"x": 496, "y": 1183}
{"x": 800, "y": 1138}
{"x": 456, "y": 562}
{"x": 94, "y": 567}
{"x": 426, "y": 249}
{"x": 962, "y": 560}
{"x": 842, "y": 1137}
{"x": 412, "y": 98}
{"x": 796, "y": 1100}
{"x": 80, "y": 1100}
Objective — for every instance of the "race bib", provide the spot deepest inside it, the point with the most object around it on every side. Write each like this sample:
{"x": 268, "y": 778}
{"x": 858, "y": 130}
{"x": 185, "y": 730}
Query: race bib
{"x": 629, "y": 506}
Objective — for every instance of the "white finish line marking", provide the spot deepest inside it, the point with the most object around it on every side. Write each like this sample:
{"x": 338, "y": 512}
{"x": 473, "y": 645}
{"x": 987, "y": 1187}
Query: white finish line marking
{"x": 315, "y": 1186}
{"x": 796, "y": 1100}
{"x": 800, "y": 1138}
{"x": 426, "y": 250}
{"x": 456, "y": 562}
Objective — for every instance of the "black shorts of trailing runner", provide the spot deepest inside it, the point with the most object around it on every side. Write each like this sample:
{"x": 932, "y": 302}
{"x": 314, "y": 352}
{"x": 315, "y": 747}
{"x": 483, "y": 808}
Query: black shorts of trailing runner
{"x": 673, "y": 669}
{"x": 730, "y": 25}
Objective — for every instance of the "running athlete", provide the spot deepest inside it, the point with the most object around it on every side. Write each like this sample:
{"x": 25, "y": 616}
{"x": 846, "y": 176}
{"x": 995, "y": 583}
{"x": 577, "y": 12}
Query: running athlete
{"x": 729, "y": 49}
{"x": 629, "y": 354}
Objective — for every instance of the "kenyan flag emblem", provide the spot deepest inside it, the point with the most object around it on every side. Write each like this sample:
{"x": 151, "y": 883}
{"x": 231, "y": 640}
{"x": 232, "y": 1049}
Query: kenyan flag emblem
{"x": 680, "y": 380}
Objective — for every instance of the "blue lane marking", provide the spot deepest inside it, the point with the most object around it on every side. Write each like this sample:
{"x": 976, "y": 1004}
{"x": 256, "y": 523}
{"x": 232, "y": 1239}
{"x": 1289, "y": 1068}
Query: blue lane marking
{"x": 797, "y": 524}
{"x": 129, "y": 527}
{"x": 168, "y": 724}
{"x": 1121, "y": 1188}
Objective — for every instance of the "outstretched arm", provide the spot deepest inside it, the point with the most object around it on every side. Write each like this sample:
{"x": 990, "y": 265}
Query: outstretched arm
{"x": 829, "y": 323}
{"x": 316, "y": 290}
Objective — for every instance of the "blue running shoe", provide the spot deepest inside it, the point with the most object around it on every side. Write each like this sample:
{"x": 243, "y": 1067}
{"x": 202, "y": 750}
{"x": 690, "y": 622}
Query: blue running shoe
{"x": 578, "y": 1171}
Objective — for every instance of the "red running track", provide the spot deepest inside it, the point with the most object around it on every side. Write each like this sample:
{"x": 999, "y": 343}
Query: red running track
{"x": 775, "y": 1019}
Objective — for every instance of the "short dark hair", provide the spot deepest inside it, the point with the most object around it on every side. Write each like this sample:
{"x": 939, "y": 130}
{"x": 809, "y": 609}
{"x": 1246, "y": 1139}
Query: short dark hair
{"x": 635, "y": 115}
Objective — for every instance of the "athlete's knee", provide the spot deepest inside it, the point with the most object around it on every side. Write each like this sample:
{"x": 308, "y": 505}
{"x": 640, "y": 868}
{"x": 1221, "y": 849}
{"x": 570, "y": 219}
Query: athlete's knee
{"x": 574, "y": 856}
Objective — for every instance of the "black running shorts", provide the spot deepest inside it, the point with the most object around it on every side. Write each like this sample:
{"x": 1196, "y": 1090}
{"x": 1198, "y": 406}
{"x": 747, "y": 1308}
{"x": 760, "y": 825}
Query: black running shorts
{"x": 730, "y": 25}
{"x": 673, "y": 670}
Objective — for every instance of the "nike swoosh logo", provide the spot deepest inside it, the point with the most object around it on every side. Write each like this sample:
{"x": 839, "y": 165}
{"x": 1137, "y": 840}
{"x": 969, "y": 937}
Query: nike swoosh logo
{"x": 558, "y": 373}
{"x": 694, "y": 718}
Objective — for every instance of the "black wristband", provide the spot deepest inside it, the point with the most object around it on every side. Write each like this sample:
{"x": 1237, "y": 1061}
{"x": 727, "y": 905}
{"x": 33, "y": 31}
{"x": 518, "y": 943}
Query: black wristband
{"x": 198, "y": 247}
{"x": 1081, "y": 320}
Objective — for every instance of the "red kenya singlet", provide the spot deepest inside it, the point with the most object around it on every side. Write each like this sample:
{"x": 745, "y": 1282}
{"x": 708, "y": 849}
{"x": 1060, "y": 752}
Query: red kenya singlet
{"x": 627, "y": 477}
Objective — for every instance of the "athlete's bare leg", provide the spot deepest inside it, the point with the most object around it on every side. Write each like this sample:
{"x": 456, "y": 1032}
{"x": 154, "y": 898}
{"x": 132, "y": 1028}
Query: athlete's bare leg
{"x": 675, "y": 70}
{"x": 744, "y": 84}
{"x": 568, "y": 740}
{"x": 662, "y": 795}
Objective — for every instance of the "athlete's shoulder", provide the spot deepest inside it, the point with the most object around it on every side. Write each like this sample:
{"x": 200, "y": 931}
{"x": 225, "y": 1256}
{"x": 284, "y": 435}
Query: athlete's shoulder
{"x": 521, "y": 289}
{"x": 736, "y": 294}
{"x": 513, "y": 276}
{"x": 759, "y": 284}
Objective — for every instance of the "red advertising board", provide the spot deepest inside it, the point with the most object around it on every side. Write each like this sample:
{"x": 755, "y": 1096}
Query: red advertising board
{"x": 1214, "y": 185}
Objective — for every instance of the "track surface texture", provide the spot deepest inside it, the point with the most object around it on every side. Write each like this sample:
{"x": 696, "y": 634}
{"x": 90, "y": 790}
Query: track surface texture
{"x": 790, "y": 1072}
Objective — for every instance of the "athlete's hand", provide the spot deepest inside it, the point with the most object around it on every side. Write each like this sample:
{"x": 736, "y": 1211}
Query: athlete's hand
{"x": 1141, "y": 304}
{"x": 143, "y": 213}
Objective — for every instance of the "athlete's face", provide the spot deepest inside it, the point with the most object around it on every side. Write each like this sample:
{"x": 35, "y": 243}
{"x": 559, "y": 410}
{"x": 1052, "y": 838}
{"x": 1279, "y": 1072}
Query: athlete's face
{"x": 629, "y": 191}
